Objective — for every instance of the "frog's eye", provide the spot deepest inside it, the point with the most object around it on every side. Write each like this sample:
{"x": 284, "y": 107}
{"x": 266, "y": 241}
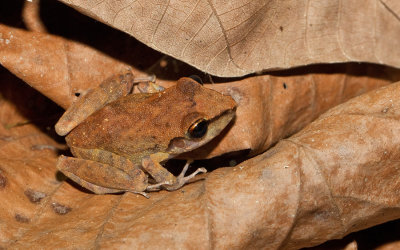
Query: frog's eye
{"x": 199, "y": 128}
{"x": 196, "y": 78}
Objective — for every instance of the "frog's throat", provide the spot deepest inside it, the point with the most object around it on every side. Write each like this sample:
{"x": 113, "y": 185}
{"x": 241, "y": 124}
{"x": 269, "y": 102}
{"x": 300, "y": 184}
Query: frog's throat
{"x": 181, "y": 145}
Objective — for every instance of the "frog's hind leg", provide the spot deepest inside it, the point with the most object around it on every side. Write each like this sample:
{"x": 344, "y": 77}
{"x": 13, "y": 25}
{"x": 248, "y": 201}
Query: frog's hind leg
{"x": 105, "y": 157}
{"x": 102, "y": 178}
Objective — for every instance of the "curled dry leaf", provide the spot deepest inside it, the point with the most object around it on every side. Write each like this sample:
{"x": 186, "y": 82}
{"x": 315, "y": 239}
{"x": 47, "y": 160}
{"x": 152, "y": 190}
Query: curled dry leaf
{"x": 61, "y": 68}
{"x": 351, "y": 246}
{"x": 273, "y": 107}
{"x": 31, "y": 16}
{"x": 238, "y": 37}
{"x": 390, "y": 246}
{"x": 27, "y": 174}
{"x": 383, "y": 236}
{"x": 338, "y": 175}
{"x": 54, "y": 66}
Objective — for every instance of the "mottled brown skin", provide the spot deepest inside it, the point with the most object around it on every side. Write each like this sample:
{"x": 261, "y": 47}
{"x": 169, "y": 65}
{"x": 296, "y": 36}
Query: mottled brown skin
{"x": 124, "y": 141}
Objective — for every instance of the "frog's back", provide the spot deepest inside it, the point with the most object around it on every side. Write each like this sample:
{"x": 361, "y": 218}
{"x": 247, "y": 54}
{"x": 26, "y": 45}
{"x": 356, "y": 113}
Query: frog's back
{"x": 141, "y": 124}
{"x": 120, "y": 127}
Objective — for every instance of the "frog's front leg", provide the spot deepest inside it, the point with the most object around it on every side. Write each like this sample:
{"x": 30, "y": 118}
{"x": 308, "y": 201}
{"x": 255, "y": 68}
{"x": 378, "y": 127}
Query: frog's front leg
{"x": 102, "y": 178}
{"x": 162, "y": 176}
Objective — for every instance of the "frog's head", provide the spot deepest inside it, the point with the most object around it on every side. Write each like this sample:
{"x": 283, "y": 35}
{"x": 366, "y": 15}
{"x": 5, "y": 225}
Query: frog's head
{"x": 204, "y": 114}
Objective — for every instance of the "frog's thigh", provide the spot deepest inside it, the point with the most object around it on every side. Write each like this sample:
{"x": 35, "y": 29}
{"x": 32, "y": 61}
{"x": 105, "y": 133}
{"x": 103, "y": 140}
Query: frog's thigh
{"x": 104, "y": 156}
{"x": 152, "y": 165}
{"x": 102, "y": 178}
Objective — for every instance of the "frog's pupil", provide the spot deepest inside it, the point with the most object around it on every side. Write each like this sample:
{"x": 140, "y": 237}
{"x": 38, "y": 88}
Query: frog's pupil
{"x": 198, "y": 129}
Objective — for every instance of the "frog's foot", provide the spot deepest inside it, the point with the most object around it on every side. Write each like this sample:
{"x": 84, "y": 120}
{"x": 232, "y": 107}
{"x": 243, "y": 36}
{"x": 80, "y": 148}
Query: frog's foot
{"x": 157, "y": 186}
{"x": 141, "y": 193}
{"x": 147, "y": 84}
{"x": 182, "y": 179}
{"x": 149, "y": 87}
{"x": 150, "y": 78}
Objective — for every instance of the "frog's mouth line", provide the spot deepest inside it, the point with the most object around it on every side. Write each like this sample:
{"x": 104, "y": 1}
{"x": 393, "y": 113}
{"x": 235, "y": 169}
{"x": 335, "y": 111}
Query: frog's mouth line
{"x": 181, "y": 145}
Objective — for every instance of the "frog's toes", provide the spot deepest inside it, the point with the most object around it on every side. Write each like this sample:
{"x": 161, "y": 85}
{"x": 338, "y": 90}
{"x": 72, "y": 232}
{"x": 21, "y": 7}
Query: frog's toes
{"x": 191, "y": 176}
{"x": 141, "y": 193}
{"x": 182, "y": 179}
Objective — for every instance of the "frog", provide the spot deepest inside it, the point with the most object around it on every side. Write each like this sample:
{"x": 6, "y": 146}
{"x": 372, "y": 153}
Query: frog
{"x": 122, "y": 132}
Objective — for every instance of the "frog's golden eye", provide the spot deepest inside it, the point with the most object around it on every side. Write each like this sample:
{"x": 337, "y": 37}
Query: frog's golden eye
{"x": 199, "y": 128}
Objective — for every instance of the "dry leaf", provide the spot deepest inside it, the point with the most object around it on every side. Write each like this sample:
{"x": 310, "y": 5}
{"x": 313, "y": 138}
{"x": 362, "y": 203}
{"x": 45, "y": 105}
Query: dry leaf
{"x": 336, "y": 176}
{"x": 64, "y": 65}
{"x": 268, "y": 201}
{"x": 383, "y": 236}
{"x": 285, "y": 104}
{"x": 235, "y": 38}
{"x": 27, "y": 156}
{"x": 390, "y": 246}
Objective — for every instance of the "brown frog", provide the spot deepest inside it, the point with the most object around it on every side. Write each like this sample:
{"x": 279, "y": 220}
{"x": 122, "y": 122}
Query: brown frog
{"x": 120, "y": 138}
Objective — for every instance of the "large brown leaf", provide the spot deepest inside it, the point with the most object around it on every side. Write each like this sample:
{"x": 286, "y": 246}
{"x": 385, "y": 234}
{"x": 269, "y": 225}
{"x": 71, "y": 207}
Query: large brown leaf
{"x": 338, "y": 175}
{"x": 284, "y": 103}
{"x": 64, "y": 65}
{"x": 238, "y": 37}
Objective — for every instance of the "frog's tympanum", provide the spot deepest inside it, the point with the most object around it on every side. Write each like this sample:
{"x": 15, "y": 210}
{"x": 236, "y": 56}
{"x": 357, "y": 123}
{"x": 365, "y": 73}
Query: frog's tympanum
{"x": 120, "y": 138}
